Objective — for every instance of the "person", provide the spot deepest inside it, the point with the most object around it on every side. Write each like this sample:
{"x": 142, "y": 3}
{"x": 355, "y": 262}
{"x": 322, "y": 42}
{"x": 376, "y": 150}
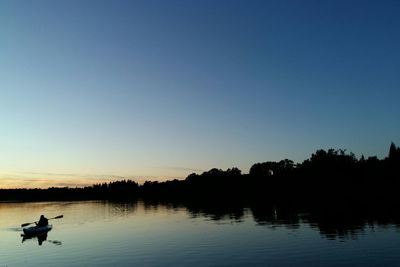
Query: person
{"x": 43, "y": 221}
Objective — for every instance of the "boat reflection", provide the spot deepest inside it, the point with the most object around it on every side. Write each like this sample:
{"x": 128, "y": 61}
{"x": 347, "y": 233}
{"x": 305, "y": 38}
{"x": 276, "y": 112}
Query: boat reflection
{"x": 40, "y": 239}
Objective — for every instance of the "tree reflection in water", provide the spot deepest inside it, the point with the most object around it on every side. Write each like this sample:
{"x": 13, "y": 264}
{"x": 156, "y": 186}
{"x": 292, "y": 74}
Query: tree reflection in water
{"x": 331, "y": 221}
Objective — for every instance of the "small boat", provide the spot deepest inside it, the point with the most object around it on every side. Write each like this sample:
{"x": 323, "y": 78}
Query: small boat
{"x": 37, "y": 230}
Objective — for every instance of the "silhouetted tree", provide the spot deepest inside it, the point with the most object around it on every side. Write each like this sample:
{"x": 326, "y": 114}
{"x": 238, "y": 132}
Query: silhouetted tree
{"x": 394, "y": 152}
{"x": 263, "y": 169}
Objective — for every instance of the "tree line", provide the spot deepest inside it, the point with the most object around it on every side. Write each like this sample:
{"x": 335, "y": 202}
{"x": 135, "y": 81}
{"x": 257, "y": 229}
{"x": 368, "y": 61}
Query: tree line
{"x": 330, "y": 176}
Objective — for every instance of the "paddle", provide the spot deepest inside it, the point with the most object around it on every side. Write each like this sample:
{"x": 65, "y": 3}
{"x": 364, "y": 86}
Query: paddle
{"x": 57, "y": 217}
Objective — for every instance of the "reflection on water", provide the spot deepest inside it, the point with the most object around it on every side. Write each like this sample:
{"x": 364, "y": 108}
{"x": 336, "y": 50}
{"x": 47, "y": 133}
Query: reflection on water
{"x": 152, "y": 234}
{"x": 40, "y": 238}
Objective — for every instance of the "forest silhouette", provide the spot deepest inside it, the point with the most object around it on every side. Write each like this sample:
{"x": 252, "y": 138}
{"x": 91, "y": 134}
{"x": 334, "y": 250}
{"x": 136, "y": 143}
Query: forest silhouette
{"x": 332, "y": 191}
{"x": 329, "y": 176}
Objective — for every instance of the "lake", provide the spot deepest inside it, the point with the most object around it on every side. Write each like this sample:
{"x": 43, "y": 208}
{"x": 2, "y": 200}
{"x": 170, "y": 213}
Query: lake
{"x": 101, "y": 233}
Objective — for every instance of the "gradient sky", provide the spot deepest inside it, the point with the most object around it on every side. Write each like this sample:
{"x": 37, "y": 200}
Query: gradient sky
{"x": 94, "y": 90}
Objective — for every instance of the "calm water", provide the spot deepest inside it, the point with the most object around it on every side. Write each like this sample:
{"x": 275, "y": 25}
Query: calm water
{"x": 115, "y": 234}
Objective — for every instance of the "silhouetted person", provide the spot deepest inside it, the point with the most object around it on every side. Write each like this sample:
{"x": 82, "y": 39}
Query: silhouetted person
{"x": 43, "y": 221}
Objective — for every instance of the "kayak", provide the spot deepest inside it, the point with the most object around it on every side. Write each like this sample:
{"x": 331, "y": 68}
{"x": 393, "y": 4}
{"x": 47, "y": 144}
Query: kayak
{"x": 36, "y": 230}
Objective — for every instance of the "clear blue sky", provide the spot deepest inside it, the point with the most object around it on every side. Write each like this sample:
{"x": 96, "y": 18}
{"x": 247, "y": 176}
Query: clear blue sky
{"x": 149, "y": 89}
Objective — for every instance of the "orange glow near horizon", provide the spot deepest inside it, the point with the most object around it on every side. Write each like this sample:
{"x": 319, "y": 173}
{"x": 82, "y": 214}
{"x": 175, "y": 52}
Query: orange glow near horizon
{"x": 14, "y": 180}
{"x": 46, "y": 183}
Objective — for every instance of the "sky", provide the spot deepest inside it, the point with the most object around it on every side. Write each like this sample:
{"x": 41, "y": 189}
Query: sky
{"x": 92, "y": 91}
